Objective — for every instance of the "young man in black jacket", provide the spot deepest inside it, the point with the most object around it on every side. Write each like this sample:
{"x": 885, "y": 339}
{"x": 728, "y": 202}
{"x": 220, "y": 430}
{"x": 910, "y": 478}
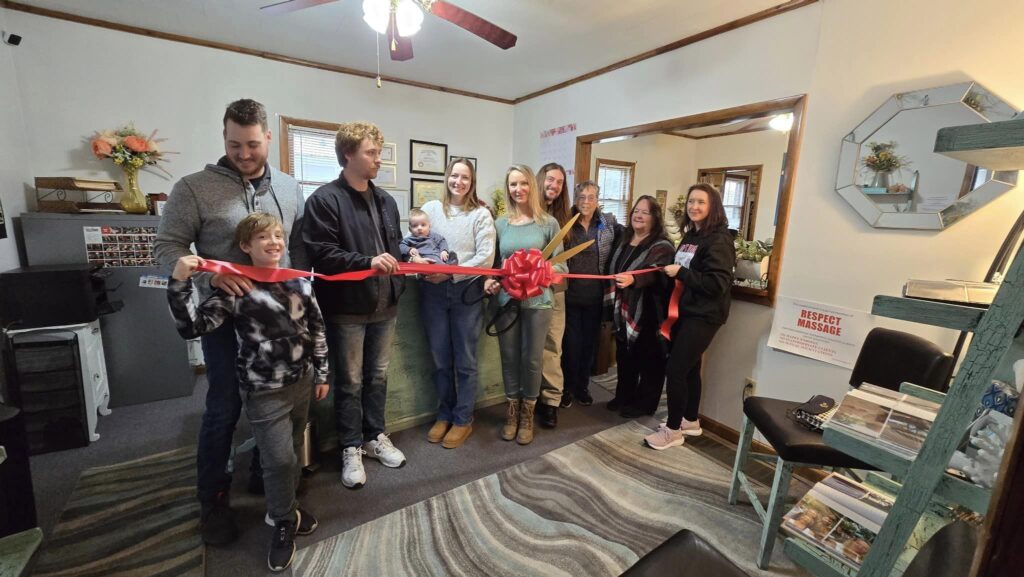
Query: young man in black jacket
{"x": 352, "y": 225}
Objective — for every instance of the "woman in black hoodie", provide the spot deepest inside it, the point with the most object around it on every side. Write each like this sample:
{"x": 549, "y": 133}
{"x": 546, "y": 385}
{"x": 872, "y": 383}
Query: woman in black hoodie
{"x": 703, "y": 265}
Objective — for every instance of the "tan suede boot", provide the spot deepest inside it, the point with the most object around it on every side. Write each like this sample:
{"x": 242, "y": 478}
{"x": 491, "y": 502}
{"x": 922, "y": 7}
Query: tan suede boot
{"x": 456, "y": 436}
{"x": 438, "y": 431}
{"x": 508, "y": 432}
{"x": 525, "y": 436}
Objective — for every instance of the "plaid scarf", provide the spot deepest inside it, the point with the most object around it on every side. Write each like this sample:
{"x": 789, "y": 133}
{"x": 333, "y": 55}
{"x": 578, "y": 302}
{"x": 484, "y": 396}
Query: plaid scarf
{"x": 628, "y": 305}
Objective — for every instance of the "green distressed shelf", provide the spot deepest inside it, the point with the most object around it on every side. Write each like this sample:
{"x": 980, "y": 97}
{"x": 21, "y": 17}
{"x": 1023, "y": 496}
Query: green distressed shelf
{"x": 993, "y": 145}
{"x": 950, "y": 316}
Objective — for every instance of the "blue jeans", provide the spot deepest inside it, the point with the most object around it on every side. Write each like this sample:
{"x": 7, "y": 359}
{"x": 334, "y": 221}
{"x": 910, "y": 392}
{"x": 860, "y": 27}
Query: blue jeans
{"x": 453, "y": 329}
{"x": 223, "y": 407}
{"x": 359, "y": 356}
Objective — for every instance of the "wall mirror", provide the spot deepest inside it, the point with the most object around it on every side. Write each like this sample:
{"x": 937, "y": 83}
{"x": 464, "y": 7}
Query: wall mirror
{"x": 889, "y": 172}
{"x": 749, "y": 152}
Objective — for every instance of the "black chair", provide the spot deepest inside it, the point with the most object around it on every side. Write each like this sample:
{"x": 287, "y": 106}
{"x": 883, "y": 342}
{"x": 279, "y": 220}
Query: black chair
{"x": 685, "y": 553}
{"x": 887, "y": 359}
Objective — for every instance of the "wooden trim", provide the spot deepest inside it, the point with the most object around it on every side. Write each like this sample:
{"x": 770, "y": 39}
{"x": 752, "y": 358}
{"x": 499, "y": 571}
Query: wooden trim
{"x": 624, "y": 164}
{"x": 794, "y": 104}
{"x": 749, "y": 206}
{"x": 733, "y": 436}
{"x": 686, "y": 136}
{"x": 46, "y": 12}
{"x": 727, "y": 27}
{"x": 285, "y": 162}
{"x": 733, "y": 133}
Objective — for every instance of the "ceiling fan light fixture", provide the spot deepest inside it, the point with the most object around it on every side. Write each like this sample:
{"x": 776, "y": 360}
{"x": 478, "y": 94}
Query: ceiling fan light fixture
{"x": 782, "y": 122}
{"x": 408, "y": 18}
{"x": 376, "y": 14}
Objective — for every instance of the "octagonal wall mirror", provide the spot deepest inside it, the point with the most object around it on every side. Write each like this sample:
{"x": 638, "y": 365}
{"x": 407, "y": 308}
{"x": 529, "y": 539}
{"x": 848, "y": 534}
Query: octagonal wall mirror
{"x": 889, "y": 172}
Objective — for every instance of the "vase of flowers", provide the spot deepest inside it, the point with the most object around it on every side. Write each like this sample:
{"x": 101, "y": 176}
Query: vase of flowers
{"x": 131, "y": 150}
{"x": 883, "y": 160}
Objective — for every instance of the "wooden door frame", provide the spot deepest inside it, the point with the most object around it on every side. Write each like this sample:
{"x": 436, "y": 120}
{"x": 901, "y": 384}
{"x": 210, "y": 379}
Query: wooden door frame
{"x": 794, "y": 104}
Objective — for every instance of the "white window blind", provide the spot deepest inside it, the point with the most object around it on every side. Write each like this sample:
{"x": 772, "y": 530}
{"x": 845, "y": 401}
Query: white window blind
{"x": 734, "y": 198}
{"x": 312, "y": 159}
{"x": 616, "y": 183}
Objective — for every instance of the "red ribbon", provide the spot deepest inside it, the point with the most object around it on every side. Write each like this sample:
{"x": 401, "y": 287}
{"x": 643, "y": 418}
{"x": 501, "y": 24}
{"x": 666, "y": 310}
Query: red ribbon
{"x": 525, "y": 274}
{"x": 673, "y": 311}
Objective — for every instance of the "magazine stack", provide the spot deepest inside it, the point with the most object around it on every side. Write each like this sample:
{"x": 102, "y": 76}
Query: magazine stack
{"x": 839, "y": 516}
{"x": 895, "y": 421}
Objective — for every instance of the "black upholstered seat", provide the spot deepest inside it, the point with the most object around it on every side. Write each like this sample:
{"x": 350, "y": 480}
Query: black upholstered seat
{"x": 684, "y": 553}
{"x": 887, "y": 359}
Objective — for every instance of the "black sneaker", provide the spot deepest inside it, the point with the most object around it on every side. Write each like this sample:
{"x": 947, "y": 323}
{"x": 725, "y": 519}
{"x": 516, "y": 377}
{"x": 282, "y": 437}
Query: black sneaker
{"x": 547, "y": 415}
{"x": 282, "y": 545}
{"x": 613, "y": 405}
{"x": 566, "y": 401}
{"x": 584, "y": 398}
{"x": 307, "y": 522}
{"x": 217, "y": 521}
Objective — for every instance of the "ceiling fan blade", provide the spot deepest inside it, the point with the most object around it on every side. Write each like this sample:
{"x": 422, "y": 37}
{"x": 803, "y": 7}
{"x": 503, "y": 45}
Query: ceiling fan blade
{"x": 286, "y": 6}
{"x": 399, "y": 46}
{"x": 467, "y": 20}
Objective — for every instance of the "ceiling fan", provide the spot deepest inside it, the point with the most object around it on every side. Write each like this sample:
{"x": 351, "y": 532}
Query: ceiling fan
{"x": 400, "y": 19}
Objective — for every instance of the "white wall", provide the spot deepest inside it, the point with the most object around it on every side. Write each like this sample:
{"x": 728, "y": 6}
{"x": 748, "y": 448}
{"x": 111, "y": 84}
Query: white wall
{"x": 848, "y": 60}
{"x": 75, "y": 79}
{"x": 766, "y": 148}
{"x": 662, "y": 162}
{"x": 14, "y": 172}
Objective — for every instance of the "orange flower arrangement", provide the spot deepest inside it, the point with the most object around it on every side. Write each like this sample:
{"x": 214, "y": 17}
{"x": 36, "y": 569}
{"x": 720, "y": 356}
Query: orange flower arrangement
{"x": 129, "y": 148}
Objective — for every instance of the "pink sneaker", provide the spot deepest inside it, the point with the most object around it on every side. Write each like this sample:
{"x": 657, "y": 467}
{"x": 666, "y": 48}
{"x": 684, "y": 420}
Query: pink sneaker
{"x": 689, "y": 428}
{"x": 664, "y": 438}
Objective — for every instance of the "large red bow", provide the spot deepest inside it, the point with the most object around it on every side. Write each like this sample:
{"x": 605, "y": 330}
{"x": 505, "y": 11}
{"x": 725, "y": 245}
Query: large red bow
{"x": 526, "y": 274}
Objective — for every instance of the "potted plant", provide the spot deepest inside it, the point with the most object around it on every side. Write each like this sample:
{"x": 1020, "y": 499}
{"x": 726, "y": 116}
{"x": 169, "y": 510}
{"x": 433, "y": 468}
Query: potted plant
{"x": 752, "y": 258}
{"x": 883, "y": 160}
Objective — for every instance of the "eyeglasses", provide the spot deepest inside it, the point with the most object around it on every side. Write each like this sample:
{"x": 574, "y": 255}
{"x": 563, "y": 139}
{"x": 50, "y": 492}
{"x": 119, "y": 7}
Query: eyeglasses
{"x": 586, "y": 198}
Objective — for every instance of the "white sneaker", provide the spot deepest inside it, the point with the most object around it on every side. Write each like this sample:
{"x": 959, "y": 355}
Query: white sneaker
{"x": 353, "y": 475}
{"x": 385, "y": 451}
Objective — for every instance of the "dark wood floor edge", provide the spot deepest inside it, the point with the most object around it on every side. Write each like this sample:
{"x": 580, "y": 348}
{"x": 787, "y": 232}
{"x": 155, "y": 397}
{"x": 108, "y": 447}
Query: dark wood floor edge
{"x": 731, "y": 435}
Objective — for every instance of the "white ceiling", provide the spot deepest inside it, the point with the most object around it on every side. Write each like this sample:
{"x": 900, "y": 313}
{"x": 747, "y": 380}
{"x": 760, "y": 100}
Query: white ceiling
{"x": 558, "y": 39}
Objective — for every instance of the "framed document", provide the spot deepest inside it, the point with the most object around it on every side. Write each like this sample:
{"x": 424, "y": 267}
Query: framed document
{"x": 402, "y": 200}
{"x": 423, "y": 191}
{"x": 389, "y": 153}
{"x": 387, "y": 176}
{"x": 427, "y": 157}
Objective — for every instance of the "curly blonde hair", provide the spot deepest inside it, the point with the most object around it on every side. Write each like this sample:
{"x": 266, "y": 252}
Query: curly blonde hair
{"x": 351, "y": 135}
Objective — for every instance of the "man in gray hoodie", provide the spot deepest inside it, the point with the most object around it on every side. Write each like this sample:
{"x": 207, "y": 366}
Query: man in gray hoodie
{"x": 204, "y": 208}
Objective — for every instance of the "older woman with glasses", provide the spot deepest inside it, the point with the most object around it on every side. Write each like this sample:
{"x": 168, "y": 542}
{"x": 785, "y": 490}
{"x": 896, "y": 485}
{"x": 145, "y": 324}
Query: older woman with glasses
{"x": 584, "y": 297}
{"x": 639, "y": 307}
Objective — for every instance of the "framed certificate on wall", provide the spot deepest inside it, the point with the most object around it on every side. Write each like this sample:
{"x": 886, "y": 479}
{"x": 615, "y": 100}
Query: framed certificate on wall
{"x": 423, "y": 191}
{"x": 427, "y": 157}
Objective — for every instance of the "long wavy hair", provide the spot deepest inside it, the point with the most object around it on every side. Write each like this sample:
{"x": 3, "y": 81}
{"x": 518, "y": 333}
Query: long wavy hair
{"x": 472, "y": 201}
{"x": 533, "y": 199}
{"x": 716, "y": 218}
{"x": 559, "y": 208}
{"x": 657, "y": 221}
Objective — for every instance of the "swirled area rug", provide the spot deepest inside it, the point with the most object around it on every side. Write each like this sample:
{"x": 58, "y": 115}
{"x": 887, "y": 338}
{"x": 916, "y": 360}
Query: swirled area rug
{"x": 591, "y": 508}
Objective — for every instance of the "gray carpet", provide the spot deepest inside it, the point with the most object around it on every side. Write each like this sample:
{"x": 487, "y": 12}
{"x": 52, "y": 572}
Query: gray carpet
{"x": 591, "y": 508}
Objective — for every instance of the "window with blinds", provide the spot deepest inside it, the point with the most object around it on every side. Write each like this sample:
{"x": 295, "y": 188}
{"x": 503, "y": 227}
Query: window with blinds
{"x": 734, "y": 199}
{"x": 616, "y": 181}
{"x": 311, "y": 157}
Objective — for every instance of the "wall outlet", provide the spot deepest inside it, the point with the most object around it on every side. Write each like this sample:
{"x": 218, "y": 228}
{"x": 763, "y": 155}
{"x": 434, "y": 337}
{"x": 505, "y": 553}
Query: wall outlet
{"x": 749, "y": 386}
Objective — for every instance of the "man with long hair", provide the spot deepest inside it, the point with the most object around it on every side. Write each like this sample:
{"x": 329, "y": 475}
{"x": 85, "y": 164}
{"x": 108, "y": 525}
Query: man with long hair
{"x": 551, "y": 178}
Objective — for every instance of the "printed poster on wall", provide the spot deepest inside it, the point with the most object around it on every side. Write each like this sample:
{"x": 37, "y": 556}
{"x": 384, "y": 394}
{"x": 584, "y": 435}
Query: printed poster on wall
{"x": 559, "y": 145}
{"x": 119, "y": 246}
{"x": 826, "y": 333}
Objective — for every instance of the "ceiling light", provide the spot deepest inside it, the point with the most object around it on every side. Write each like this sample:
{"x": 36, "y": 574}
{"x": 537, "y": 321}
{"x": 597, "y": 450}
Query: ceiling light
{"x": 408, "y": 18}
{"x": 782, "y": 122}
{"x": 377, "y": 13}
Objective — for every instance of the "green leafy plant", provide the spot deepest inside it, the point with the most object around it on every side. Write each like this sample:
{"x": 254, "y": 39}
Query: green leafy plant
{"x": 498, "y": 196}
{"x": 754, "y": 250}
{"x": 883, "y": 157}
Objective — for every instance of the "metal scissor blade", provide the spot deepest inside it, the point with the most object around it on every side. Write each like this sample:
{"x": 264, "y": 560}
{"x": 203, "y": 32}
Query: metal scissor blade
{"x": 550, "y": 248}
{"x": 566, "y": 255}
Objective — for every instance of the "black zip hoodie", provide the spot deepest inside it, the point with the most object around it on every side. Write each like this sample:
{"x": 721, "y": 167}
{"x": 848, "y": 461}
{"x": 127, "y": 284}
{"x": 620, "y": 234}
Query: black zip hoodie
{"x": 708, "y": 278}
{"x": 339, "y": 234}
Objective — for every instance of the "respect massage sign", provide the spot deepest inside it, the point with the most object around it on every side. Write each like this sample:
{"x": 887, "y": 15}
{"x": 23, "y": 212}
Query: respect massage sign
{"x": 819, "y": 331}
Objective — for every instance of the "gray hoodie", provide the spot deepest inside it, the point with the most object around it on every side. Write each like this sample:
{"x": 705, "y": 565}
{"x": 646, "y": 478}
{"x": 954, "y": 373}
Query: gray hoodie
{"x": 204, "y": 208}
